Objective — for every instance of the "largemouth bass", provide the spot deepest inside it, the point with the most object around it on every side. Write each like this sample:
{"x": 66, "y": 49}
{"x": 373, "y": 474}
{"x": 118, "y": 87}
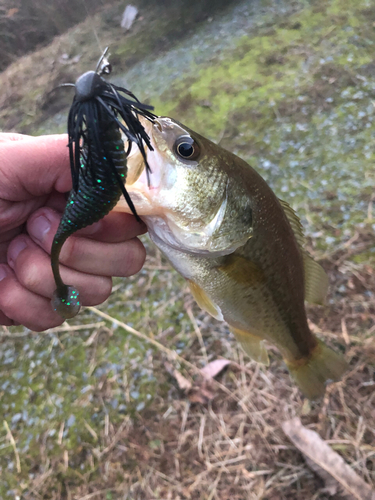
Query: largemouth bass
{"x": 239, "y": 247}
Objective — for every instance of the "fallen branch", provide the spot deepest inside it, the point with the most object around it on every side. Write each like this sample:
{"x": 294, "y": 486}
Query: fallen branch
{"x": 325, "y": 462}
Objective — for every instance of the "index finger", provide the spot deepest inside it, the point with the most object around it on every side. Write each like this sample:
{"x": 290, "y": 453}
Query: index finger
{"x": 10, "y": 136}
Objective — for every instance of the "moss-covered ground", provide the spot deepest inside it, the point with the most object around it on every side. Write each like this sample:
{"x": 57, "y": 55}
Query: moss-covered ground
{"x": 93, "y": 410}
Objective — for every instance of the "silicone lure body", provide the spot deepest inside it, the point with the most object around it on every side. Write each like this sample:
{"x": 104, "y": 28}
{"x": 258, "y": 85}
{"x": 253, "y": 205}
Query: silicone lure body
{"x": 94, "y": 198}
{"x": 99, "y": 113}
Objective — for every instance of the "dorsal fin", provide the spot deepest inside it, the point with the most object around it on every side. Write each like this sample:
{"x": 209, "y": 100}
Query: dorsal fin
{"x": 316, "y": 279}
{"x": 294, "y": 222}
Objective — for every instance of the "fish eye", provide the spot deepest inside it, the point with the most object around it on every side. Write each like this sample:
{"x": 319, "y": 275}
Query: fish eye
{"x": 186, "y": 148}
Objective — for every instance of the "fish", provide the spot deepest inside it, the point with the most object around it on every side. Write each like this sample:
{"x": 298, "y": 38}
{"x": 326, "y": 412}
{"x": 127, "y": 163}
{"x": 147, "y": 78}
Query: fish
{"x": 240, "y": 248}
{"x": 100, "y": 115}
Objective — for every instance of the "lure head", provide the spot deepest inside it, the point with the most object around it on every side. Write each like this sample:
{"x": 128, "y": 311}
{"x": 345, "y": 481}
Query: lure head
{"x": 89, "y": 85}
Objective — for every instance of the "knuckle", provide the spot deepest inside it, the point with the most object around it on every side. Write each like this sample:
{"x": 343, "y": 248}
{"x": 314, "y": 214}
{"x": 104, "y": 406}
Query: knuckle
{"x": 9, "y": 299}
{"x": 6, "y": 217}
{"x": 29, "y": 274}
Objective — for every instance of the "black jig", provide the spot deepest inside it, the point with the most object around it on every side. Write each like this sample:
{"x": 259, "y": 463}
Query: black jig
{"x": 98, "y": 114}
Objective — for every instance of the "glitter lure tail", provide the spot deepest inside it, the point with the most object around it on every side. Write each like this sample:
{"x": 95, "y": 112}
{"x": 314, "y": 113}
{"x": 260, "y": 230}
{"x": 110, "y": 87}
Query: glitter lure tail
{"x": 98, "y": 115}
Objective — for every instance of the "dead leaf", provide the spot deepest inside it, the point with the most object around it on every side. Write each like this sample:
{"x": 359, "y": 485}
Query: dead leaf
{"x": 214, "y": 368}
{"x": 201, "y": 395}
{"x": 201, "y": 391}
{"x": 183, "y": 383}
{"x": 12, "y": 12}
{"x": 327, "y": 463}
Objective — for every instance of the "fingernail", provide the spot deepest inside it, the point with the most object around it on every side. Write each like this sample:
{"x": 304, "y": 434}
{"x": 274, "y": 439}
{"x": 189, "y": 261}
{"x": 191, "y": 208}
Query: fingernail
{"x": 4, "y": 272}
{"x": 14, "y": 250}
{"x": 39, "y": 227}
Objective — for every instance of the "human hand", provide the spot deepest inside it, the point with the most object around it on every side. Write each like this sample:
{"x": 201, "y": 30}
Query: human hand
{"x": 34, "y": 174}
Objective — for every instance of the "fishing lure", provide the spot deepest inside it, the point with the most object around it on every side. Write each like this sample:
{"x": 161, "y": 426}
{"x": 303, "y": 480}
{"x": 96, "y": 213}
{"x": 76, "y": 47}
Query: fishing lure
{"x": 98, "y": 115}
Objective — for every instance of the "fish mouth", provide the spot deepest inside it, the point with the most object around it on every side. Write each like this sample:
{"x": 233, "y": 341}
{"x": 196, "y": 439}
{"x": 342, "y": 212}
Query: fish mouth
{"x": 135, "y": 162}
{"x": 140, "y": 184}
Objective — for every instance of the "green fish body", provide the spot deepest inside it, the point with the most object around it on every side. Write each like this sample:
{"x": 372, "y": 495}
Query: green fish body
{"x": 239, "y": 246}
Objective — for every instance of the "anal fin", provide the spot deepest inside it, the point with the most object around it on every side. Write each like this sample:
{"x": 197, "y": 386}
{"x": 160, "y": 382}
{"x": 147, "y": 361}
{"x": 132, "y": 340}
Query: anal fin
{"x": 252, "y": 345}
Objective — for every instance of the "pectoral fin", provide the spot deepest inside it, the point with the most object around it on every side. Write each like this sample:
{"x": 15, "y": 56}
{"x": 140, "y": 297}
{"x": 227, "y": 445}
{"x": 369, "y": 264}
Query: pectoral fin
{"x": 252, "y": 345}
{"x": 294, "y": 222}
{"x": 204, "y": 302}
{"x": 242, "y": 270}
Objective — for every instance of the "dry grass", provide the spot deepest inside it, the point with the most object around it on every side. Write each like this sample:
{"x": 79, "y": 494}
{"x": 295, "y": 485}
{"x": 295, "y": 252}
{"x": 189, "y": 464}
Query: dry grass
{"x": 230, "y": 445}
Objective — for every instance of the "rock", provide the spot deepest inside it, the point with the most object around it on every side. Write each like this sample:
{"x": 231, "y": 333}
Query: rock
{"x": 128, "y": 17}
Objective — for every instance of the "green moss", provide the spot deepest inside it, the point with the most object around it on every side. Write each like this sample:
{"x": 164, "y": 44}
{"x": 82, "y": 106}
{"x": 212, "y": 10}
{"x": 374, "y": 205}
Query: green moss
{"x": 290, "y": 99}
{"x": 62, "y": 383}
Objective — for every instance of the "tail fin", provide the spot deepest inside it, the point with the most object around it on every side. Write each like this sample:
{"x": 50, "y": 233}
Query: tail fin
{"x": 313, "y": 373}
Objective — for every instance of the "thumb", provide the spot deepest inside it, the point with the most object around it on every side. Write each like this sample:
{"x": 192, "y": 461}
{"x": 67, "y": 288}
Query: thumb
{"x": 33, "y": 166}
